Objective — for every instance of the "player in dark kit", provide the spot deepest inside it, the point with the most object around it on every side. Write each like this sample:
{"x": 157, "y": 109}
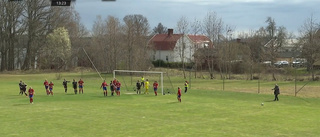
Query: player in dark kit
{"x": 179, "y": 94}
{"x": 138, "y": 85}
{"x": 104, "y": 86}
{"x": 112, "y": 88}
{"x": 74, "y": 85}
{"x": 276, "y": 92}
{"x": 31, "y": 93}
{"x": 65, "y": 85}
{"x": 23, "y": 88}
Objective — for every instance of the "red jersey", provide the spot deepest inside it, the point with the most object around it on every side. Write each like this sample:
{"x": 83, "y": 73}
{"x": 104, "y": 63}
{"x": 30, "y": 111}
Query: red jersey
{"x": 118, "y": 84}
{"x": 80, "y": 83}
{"x": 104, "y": 84}
{"x": 51, "y": 85}
{"x": 31, "y": 91}
{"x": 114, "y": 82}
{"x": 46, "y": 83}
{"x": 155, "y": 85}
{"x": 179, "y": 92}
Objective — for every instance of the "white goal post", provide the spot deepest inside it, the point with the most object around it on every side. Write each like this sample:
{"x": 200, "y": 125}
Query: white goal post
{"x": 132, "y": 71}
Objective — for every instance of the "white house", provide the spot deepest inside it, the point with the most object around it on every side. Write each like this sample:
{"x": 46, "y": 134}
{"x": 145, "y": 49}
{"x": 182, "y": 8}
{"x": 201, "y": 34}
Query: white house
{"x": 175, "y": 47}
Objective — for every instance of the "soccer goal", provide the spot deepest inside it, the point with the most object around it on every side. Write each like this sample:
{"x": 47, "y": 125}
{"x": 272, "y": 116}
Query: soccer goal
{"x": 143, "y": 73}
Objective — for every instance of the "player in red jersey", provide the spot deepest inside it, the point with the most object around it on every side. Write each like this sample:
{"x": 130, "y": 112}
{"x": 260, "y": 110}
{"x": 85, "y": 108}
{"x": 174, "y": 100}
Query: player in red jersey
{"x": 118, "y": 85}
{"x": 31, "y": 93}
{"x": 114, "y": 82}
{"x": 179, "y": 94}
{"x": 104, "y": 86}
{"x": 46, "y": 86}
{"x": 51, "y": 88}
{"x": 155, "y": 88}
{"x": 80, "y": 82}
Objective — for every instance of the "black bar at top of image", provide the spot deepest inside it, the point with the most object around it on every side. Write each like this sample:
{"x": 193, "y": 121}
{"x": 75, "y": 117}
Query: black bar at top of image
{"x": 60, "y": 2}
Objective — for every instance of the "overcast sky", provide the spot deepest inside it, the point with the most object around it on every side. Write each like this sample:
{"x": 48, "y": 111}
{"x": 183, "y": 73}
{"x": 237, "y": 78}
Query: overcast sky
{"x": 244, "y": 15}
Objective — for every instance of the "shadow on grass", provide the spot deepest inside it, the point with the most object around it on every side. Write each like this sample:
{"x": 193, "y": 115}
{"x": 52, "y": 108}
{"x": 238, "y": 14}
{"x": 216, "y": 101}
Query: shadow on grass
{"x": 97, "y": 96}
{"x": 269, "y": 101}
{"x": 71, "y": 94}
{"x": 21, "y": 104}
{"x": 175, "y": 102}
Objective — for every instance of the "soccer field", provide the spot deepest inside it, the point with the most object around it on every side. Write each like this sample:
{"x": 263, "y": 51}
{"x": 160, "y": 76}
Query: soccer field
{"x": 203, "y": 111}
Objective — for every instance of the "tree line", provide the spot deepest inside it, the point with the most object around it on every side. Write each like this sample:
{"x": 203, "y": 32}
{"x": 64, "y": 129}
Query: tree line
{"x": 35, "y": 35}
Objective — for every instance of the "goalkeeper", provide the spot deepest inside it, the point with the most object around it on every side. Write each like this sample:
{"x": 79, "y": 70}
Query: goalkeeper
{"x": 146, "y": 87}
{"x": 138, "y": 85}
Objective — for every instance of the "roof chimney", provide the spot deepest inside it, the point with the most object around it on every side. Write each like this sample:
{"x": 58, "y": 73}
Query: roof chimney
{"x": 170, "y": 32}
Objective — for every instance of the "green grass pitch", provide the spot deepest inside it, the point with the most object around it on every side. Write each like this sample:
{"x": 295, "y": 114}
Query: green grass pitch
{"x": 203, "y": 112}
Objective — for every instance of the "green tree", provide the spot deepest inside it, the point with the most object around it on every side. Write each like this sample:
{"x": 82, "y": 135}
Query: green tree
{"x": 56, "y": 54}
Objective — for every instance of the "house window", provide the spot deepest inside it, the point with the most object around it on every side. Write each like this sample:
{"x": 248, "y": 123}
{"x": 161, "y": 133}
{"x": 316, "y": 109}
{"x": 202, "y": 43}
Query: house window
{"x": 206, "y": 45}
{"x": 167, "y": 58}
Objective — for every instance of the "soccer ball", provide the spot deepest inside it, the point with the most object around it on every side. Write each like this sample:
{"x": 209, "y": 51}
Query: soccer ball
{"x": 262, "y": 104}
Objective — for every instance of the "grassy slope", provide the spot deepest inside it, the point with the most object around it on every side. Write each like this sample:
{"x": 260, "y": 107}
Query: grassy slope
{"x": 203, "y": 112}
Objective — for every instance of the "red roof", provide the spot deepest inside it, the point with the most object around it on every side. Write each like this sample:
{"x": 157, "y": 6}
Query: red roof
{"x": 168, "y": 41}
{"x": 199, "y": 38}
{"x": 164, "y": 41}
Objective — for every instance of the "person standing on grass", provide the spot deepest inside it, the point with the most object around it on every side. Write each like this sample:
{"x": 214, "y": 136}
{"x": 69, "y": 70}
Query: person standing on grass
{"x": 114, "y": 82}
{"x": 186, "y": 85}
{"x": 20, "y": 86}
{"x": 51, "y": 88}
{"x": 46, "y": 86}
{"x": 23, "y": 88}
{"x": 118, "y": 85}
{"x": 179, "y": 94}
{"x": 104, "y": 86}
{"x": 147, "y": 87}
{"x": 65, "y": 85}
{"x": 276, "y": 92}
{"x": 31, "y": 93}
{"x": 155, "y": 88}
{"x": 74, "y": 84}
{"x": 138, "y": 85}
{"x": 80, "y": 86}
{"x": 111, "y": 88}
{"x": 142, "y": 81}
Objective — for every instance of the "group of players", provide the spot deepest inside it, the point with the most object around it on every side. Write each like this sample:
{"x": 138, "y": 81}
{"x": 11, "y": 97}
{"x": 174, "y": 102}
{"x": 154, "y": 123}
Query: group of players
{"x": 114, "y": 87}
{"x": 23, "y": 89}
{"x": 49, "y": 88}
{"x": 146, "y": 85}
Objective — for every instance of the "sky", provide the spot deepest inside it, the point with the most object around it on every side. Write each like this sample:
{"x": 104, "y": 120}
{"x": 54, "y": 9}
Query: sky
{"x": 242, "y": 15}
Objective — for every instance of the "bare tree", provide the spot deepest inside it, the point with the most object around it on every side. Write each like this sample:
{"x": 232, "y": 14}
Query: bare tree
{"x": 213, "y": 29}
{"x": 310, "y": 41}
{"x": 277, "y": 37}
{"x": 10, "y": 23}
{"x": 136, "y": 31}
{"x": 252, "y": 50}
{"x": 36, "y": 13}
{"x": 113, "y": 36}
{"x": 99, "y": 45}
{"x": 196, "y": 29}
{"x": 182, "y": 46}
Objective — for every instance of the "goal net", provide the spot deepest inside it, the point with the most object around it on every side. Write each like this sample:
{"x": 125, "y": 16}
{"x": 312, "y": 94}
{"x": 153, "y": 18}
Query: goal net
{"x": 130, "y": 77}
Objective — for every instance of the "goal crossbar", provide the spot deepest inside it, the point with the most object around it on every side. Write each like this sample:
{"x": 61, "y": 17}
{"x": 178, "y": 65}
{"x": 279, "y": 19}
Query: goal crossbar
{"x": 135, "y": 71}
